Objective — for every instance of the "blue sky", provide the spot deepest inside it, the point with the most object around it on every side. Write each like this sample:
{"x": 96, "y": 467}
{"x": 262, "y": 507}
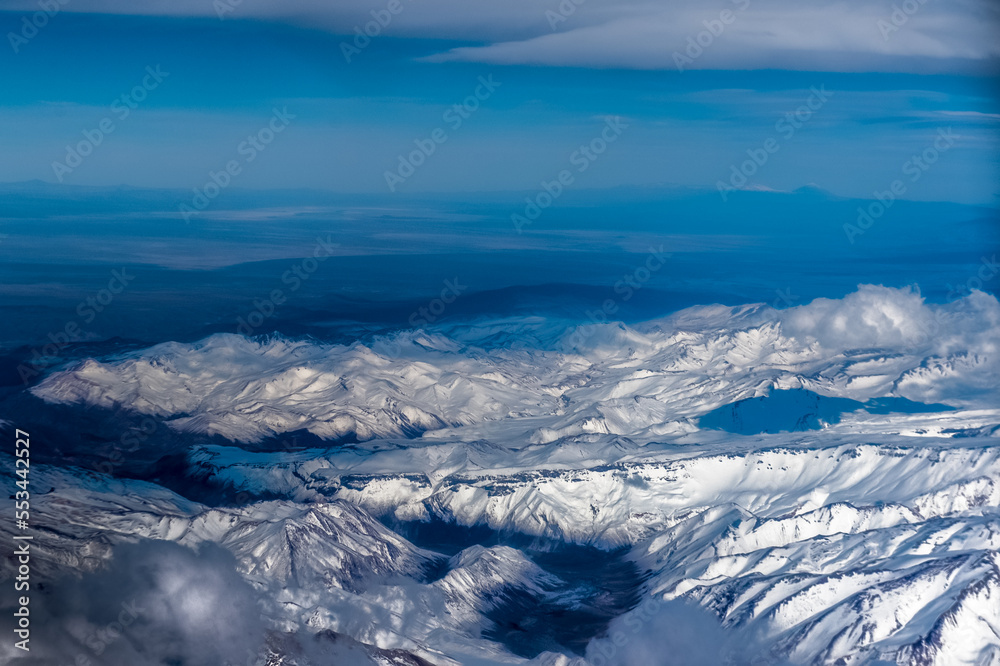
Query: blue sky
{"x": 888, "y": 97}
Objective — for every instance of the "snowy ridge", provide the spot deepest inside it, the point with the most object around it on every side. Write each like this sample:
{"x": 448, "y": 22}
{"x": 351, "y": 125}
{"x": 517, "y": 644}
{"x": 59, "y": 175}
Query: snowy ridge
{"x": 645, "y": 382}
{"x": 336, "y": 544}
{"x": 246, "y": 390}
{"x": 853, "y": 552}
{"x": 481, "y": 579}
{"x": 849, "y": 553}
{"x": 326, "y": 567}
{"x": 871, "y": 538}
{"x": 862, "y": 589}
{"x": 553, "y": 499}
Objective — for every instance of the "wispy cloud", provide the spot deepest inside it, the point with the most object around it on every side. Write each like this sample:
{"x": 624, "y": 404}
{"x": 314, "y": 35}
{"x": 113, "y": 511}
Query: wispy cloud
{"x": 823, "y": 35}
{"x": 764, "y": 34}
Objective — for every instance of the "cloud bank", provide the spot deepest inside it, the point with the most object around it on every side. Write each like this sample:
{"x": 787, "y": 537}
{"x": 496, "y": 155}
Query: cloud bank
{"x": 823, "y": 35}
{"x": 156, "y": 603}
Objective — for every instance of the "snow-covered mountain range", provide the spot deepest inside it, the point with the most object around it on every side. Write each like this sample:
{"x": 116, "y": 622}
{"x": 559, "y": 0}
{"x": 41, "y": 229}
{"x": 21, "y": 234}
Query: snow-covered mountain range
{"x": 856, "y": 519}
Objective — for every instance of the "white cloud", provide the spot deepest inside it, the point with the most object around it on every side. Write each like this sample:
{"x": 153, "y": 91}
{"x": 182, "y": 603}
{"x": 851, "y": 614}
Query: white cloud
{"x": 873, "y": 316}
{"x": 822, "y": 35}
